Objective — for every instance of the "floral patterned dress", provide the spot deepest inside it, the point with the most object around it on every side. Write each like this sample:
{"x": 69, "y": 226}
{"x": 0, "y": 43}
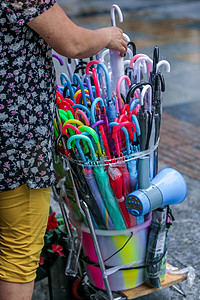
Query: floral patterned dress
{"x": 27, "y": 96}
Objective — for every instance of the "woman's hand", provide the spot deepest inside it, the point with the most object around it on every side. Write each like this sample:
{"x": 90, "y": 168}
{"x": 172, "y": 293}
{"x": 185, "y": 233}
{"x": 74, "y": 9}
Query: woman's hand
{"x": 117, "y": 40}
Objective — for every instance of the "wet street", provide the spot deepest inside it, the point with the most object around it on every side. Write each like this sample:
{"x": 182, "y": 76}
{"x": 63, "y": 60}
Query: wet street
{"x": 175, "y": 27}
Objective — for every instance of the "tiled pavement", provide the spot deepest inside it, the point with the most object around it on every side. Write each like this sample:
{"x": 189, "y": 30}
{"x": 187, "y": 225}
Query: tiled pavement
{"x": 179, "y": 146}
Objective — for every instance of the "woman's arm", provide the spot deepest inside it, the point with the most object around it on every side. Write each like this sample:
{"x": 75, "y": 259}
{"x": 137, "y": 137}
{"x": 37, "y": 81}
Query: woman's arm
{"x": 73, "y": 41}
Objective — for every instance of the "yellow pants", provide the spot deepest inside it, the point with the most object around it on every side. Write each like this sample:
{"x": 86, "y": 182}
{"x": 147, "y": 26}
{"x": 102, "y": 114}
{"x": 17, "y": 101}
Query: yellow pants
{"x": 23, "y": 220}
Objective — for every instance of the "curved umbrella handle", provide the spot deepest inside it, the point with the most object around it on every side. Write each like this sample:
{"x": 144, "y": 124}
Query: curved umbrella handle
{"x": 78, "y": 96}
{"x": 87, "y": 139}
{"x": 112, "y": 14}
{"x": 103, "y": 54}
{"x": 141, "y": 60}
{"x": 124, "y": 118}
{"x": 86, "y": 77}
{"x": 59, "y": 97}
{"x": 118, "y": 89}
{"x": 66, "y": 126}
{"x": 73, "y": 121}
{"x": 120, "y": 126}
{"x": 89, "y": 64}
{"x": 63, "y": 114}
{"x": 82, "y": 107}
{"x": 100, "y": 122}
{"x": 143, "y": 92}
{"x": 130, "y": 55}
{"x": 132, "y": 90}
{"x": 137, "y": 125}
{"x": 77, "y": 80}
{"x": 81, "y": 113}
{"x": 65, "y": 106}
{"x": 135, "y": 57}
{"x": 165, "y": 63}
{"x": 58, "y": 58}
{"x": 96, "y": 82}
{"x": 93, "y": 133}
{"x": 133, "y": 103}
{"x": 101, "y": 65}
{"x": 125, "y": 109}
{"x": 105, "y": 142}
{"x": 66, "y": 82}
{"x": 126, "y": 37}
{"x": 92, "y": 109}
{"x": 69, "y": 101}
{"x": 133, "y": 46}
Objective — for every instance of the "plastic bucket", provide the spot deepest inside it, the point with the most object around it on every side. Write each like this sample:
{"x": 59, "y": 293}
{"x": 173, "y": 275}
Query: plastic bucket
{"x": 133, "y": 242}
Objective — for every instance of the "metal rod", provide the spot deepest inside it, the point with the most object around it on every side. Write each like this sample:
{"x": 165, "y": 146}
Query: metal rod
{"x": 97, "y": 249}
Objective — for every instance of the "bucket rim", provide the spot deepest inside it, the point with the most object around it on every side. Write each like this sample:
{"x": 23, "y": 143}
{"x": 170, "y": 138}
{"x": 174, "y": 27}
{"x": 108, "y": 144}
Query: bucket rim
{"x": 126, "y": 231}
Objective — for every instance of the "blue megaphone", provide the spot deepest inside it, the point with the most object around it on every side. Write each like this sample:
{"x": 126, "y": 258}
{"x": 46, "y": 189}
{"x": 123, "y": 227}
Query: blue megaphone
{"x": 166, "y": 188}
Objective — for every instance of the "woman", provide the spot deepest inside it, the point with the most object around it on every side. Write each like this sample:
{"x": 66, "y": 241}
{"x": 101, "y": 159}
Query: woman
{"x": 29, "y": 31}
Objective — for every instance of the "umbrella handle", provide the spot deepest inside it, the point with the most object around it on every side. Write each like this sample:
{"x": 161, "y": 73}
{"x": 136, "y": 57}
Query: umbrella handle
{"x": 137, "y": 65}
{"x": 103, "y": 54}
{"x": 124, "y": 118}
{"x": 66, "y": 126}
{"x": 126, "y": 109}
{"x": 127, "y": 79}
{"x": 101, "y": 65}
{"x": 69, "y": 69}
{"x": 123, "y": 128}
{"x": 77, "y": 80}
{"x": 89, "y": 64}
{"x": 165, "y": 63}
{"x": 133, "y": 104}
{"x": 59, "y": 97}
{"x": 132, "y": 90}
{"x": 87, "y": 139}
{"x": 65, "y": 106}
{"x": 105, "y": 142}
{"x": 82, "y": 107}
{"x": 59, "y": 59}
{"x": 96, "y": 82}
{"x": 93, "y": 133}
{"x": 92, "y": 109}
{"x": 100, "y": 122}
{"x": 112, "y": 14}
{"x": 132, "y": 44}
{"x": 115, "y": 138}
{"x": 83, "y": 115}
{"x": 78, "y": 95}
{"x": 66, "y": 82}
{"x": 143, "y": 93}
{"x": 63, "y": 114}
{"x": 86, "y": 77}
{"x": 135, "y": 57}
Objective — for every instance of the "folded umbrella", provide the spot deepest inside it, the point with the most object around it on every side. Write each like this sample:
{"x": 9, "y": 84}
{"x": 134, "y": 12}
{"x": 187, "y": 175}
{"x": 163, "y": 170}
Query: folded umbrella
{"x": 116, "y": 61}
{"x": 103, "y": 183}
{"x": 156, "y": 247}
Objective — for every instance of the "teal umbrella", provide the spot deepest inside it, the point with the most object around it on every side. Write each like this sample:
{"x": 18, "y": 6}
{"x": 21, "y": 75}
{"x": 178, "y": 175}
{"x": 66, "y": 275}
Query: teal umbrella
{"x": 91, "y": 181}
